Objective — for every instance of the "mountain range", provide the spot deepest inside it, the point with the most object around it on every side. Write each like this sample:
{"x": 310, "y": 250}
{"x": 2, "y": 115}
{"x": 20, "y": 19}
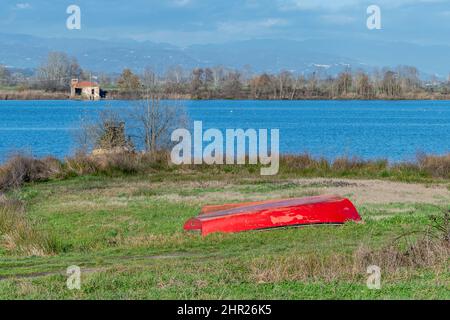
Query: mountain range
{"x": 262, "y": 55}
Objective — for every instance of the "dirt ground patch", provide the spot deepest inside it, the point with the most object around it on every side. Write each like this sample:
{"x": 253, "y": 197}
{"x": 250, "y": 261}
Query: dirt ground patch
{"x": 359, "y": 191}
{"x": 384, "y": 192}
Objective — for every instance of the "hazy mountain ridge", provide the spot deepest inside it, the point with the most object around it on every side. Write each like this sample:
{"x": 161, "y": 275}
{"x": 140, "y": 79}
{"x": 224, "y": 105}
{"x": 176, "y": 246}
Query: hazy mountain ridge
{"x": 268, "y": 55}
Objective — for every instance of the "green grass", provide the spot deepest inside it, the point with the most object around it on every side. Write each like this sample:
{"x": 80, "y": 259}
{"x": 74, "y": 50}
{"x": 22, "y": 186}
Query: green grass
{"x": 126, "y": 233}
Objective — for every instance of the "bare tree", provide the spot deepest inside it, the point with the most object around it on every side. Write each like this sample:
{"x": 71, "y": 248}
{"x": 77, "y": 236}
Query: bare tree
{"x": 363, "y": 86}
{"x": 261, "y": 86}
{"x": 284, "y": 83}
{"x": 55, "y": 73}
{"x": 312, "y": 84}
{"x": 390, "y": 84}
{"x": 149, "y": 78}
{"x": 299, "y": 84}
{"x": 209, "y": 79}
{"x": 75, "y": 70}
{"x": 5, "y": 76}
{"x": 344, "y": 83}
{"x": 232, "y": 84}
{"x": 218, "y": 76}
{"x": 408, "y": 77}
{"x": 154, "y": 120}
{"x": 174, "y": 79}
{"x": 197, "y": 82}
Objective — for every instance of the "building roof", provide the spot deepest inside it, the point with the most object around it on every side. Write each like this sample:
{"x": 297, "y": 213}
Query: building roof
{"x": 84, "y": 84}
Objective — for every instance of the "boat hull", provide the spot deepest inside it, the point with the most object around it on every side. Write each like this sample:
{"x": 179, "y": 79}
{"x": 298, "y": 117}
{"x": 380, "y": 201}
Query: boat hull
{"x": 262, "y": 215}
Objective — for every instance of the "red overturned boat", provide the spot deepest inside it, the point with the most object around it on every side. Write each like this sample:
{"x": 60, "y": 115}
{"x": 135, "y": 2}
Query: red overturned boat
{"x": 262, "y": 215}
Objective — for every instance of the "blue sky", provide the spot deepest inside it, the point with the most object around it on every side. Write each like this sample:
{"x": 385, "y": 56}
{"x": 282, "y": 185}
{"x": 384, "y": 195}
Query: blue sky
{"x": 185, "y": 22}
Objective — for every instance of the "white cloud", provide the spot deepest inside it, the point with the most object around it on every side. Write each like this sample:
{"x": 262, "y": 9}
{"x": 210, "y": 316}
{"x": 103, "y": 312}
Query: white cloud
{"x": 337, "y": 19}
{"x": 23, "y": 6}
{"x": 181, "y": 3}
{"x": 273, "y": 22}
{"x": 290, "y": 5}
{"x": 251, "y": 26}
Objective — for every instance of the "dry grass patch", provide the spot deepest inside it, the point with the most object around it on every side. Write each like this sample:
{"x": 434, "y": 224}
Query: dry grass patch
{"x": 149, "y": 240}
{"x": 302, "y": 268}
{"x": 437, "y": 166}
{"x": 404, "y": 256}
{"x": 393, "y": 262}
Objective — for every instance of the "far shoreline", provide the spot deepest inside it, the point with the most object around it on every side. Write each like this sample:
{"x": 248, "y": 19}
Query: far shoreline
{"x": 57, "y": 96}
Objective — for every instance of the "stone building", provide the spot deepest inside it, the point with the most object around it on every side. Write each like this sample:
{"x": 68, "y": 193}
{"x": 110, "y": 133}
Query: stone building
{"x": 84, "y": 90}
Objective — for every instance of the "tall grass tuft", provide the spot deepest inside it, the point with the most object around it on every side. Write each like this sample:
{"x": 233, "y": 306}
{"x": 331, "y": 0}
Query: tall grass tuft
{"x": 17, "y": 233}
{"x": 80, "y": 164}
{"x": 437, "y": 166}
{"x": 429, "y": 248}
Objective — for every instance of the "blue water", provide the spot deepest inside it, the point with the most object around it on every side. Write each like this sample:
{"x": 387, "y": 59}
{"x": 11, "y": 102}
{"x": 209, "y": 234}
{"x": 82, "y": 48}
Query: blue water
{"x": 396, "y": 130}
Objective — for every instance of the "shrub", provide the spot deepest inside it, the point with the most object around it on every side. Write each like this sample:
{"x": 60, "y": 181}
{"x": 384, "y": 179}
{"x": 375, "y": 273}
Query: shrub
{"x": 21, "y": 169}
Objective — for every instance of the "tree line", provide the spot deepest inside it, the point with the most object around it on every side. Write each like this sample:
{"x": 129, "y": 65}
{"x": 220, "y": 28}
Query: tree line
{"x": 219, "y": 82}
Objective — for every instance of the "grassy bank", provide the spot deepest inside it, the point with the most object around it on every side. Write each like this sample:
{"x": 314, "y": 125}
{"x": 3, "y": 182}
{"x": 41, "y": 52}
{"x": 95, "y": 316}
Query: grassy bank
{"x": 122, "y": 224}
{"x": 14, "y": 94}
{"x": 113, "y": 93}
{"x": 21, "y": 169}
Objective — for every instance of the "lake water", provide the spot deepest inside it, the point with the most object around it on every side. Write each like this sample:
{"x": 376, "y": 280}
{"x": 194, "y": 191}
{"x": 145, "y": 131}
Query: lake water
{"x": 396, "y": 130}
